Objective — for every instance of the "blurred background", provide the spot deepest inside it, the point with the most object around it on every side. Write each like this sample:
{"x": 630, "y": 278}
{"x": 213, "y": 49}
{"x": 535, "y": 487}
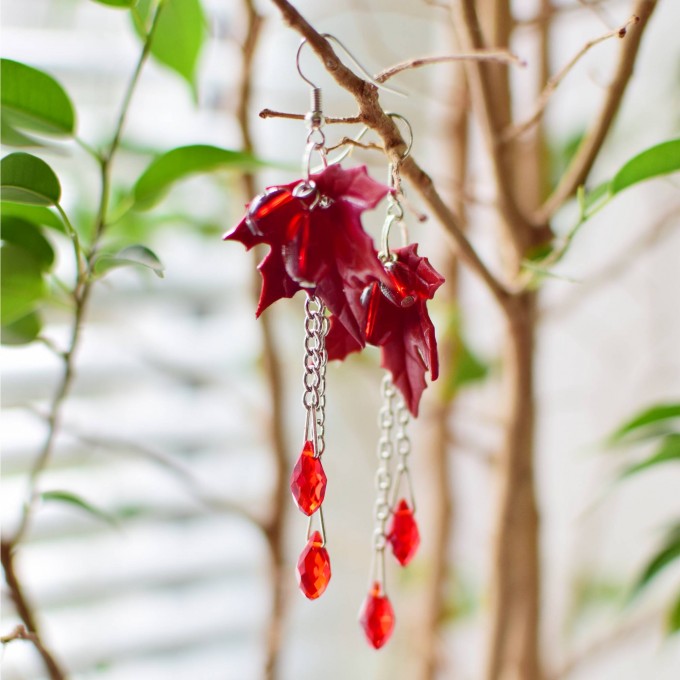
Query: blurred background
{"x": 168, "y": 425}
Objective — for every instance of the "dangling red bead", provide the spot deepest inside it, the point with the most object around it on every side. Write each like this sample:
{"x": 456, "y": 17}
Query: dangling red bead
{"x": 314, "y": 568}
{"x": 308, "y": 481}
{"x": 403, "y": 534}
{"x": 377, "y": 617}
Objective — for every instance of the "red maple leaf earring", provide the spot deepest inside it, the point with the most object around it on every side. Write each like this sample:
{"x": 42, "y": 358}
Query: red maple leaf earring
{"x": 317, "y": 244}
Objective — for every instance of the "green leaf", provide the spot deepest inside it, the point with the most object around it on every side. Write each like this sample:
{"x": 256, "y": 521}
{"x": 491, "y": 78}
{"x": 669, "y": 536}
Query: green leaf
{"x": 77, "y": 501}
{"x": 668, "y": 553}
{"x": 596, "y": 198}
{"x": 673, "y": 625}
{"x": 183, "y": 161}
{"x": 126, "y": 4}
{"x": 27, "y": 235}
{"x": 179, "y": 34}
{"x": 27, "y": 179}
{"x": 668, "y": 452}
{"x": 22, "y": 283}
{"x": 661, "y": 159}
{"x": 33, "y": 213}
{"x": 10, "y": 136}
{"x": 655, "y": 415}
{"x": 22, "y": 331}
{"x": 133, "y": 255}
{"x": 32, "y": 100}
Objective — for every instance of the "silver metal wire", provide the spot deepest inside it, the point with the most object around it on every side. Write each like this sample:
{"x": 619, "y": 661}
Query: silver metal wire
{"x": 322, "y": 526}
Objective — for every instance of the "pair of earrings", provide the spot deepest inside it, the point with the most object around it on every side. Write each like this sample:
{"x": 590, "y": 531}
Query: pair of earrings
{"x": 355, "y": 296}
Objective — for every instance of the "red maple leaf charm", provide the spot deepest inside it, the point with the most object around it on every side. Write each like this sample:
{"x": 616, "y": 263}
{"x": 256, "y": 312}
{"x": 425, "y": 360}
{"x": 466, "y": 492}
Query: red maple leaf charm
{"x": 316, "y": 238}
{"x": 394, "y": 317}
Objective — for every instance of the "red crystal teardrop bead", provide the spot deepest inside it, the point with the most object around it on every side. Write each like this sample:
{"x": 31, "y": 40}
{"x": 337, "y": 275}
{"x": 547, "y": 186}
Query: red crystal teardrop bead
{"x": 308, "y": 481}
{"x": 403, "y": 534}
{"x": 377, "y": 617}
{"x": 314, "y": 568}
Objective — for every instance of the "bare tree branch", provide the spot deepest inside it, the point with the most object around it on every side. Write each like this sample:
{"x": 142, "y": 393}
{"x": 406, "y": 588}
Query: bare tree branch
{"x": 580, "y": 166}
{"x": 491, "y": 100}
{"x": 372, "y": 115}
{"x": 274, "y": 525}
{"x": 500, "y": 56}
{"x": 25, "y": 612}
{"x": 268, "y": 113}
{"x": 555, "y": 81}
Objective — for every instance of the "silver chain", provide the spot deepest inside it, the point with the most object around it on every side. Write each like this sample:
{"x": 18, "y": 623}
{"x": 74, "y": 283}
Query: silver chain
{"x": 403, "y": 446}
{"x": 383, "y": 478}
{"x": 314, "y": 379}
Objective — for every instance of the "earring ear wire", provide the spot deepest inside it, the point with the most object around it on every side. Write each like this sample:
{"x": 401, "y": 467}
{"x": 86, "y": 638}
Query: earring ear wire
{"x": 331, "y": 38}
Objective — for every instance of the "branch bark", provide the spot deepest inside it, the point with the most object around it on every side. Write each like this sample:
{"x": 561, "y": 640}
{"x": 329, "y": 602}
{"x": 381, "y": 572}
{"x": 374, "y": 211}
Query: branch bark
{"x": 275, "y": 523}
{"x": 442, "y": 494}
{"x": 499, "y": 56}
{"x": 555, "y": 81}
{"x": 372, "y": 115}
{"x": 589, "y": 149}
{"x": 490, "y": 91}
{"x": 25, "y": 612}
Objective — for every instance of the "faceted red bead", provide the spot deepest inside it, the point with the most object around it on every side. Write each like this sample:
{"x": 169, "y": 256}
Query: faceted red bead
{"x": 314, "y": 568}
{"x": 404, "y": 290}
{"x": 377, "y": 617}
{"x": 308, "y": 481}
{"x": 403, "y": 534}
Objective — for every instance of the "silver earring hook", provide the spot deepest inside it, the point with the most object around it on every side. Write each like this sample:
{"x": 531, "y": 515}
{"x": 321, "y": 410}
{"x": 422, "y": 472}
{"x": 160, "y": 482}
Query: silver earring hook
{"x": 303, "y": 42}
{"x": 356, "y": 63}
{"x": 352, "y": 58}
{"x": 404, "y": 120}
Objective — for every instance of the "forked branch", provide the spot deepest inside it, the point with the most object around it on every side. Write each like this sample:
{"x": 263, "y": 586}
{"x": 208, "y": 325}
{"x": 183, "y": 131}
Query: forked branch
{"x": 580, "y": 166}
{"x": 373, "y": 115}
{"x": 555, "y": 81}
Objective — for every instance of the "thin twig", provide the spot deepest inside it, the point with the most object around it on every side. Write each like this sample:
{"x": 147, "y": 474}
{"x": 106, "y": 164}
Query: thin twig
{"x": 500, "y": 56}
{"x": 582, "y": 162}
{"x": 349, "y": 120}
{"x": 19, "y": 633}
{"x": 616, "y": 267}
{"x": 372, "y": 114}
{"x": 348, "y": 141}
{"x": 25, "y": 612}
{"x": 555, "y": 81}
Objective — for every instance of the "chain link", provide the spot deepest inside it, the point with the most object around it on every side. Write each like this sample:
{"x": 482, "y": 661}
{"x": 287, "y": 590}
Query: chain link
{"x": 315, "y": 361}
{"x": 383, "y": 477}
{"x": 403, "y": 447}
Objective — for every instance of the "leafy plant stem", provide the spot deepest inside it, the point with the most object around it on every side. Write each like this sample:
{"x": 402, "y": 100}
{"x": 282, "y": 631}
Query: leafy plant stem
{"x": 24, "y": 610}
{"x": 81, "y": 295}
{"x": 88, "y": 148}
{"x": 127, "y": 97}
